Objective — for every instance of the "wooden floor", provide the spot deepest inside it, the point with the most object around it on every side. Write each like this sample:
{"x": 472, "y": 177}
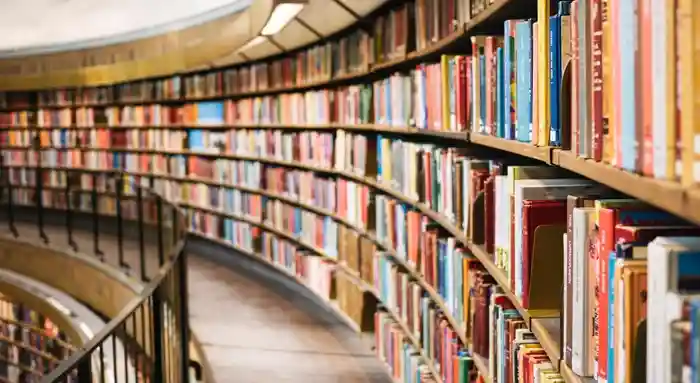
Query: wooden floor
{"x": 256, "y": 326}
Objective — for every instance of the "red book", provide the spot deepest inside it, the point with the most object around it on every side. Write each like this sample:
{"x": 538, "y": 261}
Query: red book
{"x": 489, "y": 212}
{"x": 645, "y": 234}
{"x": 536, "y": 214}
{"x": 468, "y": 92}
{"x": 608, "y": 218}
{"x": 574, "y": 78}
{"x": 461, "y": 87}
{"x": 597, "y": 79}
{"x": 528, "y": 362}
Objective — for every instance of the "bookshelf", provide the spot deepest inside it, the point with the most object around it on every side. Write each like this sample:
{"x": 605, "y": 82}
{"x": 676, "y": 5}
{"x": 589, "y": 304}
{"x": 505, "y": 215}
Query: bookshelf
{"x": 385, "y": 187}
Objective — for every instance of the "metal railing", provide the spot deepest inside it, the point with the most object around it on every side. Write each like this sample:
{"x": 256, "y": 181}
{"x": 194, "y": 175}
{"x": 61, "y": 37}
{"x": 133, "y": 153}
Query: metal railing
{"x": 149, "y": 340}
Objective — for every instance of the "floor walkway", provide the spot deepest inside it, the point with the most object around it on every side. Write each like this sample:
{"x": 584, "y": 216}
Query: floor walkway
{"x": 255, "y": 324}
{"x": 258, "y": 326}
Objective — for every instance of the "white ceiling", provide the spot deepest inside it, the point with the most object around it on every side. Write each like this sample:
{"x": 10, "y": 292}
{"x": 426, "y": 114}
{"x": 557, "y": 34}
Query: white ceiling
{"x": 44, "y": 26}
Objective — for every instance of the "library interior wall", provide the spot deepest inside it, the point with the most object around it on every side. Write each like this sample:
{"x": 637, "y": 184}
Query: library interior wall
{"x": 43, "y": 26}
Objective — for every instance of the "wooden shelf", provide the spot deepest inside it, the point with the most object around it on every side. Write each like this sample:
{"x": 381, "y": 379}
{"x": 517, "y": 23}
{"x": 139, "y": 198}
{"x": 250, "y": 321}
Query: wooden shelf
{"x": 482, "y": 366}
{"x": 540, "y": 153}
{"x": 570, "y": 377}
{"x": 548, "y": 332}
{"x": 265, "y": 227}
{"x": 666, "y": 195}
{"x": 352, "y": 275}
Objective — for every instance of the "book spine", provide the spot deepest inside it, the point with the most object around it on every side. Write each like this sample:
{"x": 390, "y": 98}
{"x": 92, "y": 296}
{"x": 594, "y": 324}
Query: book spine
{"x": 543, "y": 96}
{"x": 584, "y": 74}
{"x": 596, "y": 108}
{"x": 666, "y": 71}
{"x": 509, "y": 79}
{"x": 575, "y": 78}
{"x": 689, "y": 25}
{"x": 612, "y": 329}
{"x": 534, "y": 133}
{"x": 500, "y": 93}
{"x": 645, "y": 154}
{"x": 606, "y": 225}
{"x": 489, "y": 90}
{"x": 549, "y": 134}
{"x": 628, "y": 76}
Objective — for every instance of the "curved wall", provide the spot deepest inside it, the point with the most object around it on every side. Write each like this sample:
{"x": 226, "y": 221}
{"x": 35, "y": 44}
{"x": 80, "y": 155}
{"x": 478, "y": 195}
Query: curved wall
{"x": 203, "y": 46}
{"x": 31, "y": 27}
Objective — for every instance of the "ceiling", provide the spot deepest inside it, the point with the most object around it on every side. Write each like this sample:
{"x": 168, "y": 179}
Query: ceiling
{"x": 31, "y": 27}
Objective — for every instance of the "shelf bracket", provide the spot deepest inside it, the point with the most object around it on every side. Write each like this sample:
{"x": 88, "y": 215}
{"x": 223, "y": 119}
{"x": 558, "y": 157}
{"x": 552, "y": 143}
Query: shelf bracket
{"x": 275, "y": 43}
{"x": 309, "y": 27}
{"x": 348, "y": 9}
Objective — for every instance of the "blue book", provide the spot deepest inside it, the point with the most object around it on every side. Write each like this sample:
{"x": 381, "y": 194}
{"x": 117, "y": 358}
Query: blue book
{"x": 694, "y": 345}
{"x": 509, "y": 79}
{"x": 210, "y": 113}
{"x": 555, "y": 72}
{"x": 500, "y": 91}
{"x": 523, "y": 56}
{"x": 195, "y": 139}
{"x": 628, "y": 83}
{"x": 611, "y": 315}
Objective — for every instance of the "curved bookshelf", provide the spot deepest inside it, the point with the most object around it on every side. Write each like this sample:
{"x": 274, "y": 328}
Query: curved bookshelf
{"x": 465, "y": 140}
{"x": 386, "y": 250}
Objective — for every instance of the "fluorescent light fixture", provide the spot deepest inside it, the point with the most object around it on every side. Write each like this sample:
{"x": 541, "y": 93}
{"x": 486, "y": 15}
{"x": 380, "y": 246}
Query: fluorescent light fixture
{"x": 256, "y": 41}
{"x": 283, "y": 13}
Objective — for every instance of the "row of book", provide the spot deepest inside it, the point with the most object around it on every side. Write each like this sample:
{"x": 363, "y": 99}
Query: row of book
{"x": 518, "y": 214}
{"x": 423, "y": 98}
{"x": 31, "y": 344}
{"x": 592, "y": 93}
{"x": 395, "y": 33}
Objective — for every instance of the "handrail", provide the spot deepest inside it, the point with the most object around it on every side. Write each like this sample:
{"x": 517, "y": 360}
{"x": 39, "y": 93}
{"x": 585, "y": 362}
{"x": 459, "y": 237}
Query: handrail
{"x": 149, "y": 338}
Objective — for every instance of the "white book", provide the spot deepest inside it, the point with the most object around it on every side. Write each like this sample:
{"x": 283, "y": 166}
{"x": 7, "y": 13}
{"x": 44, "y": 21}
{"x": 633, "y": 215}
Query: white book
{"x": 539, "y": 367}
{"x": 581, "y": 276}
{"x": 659, "y": 63}
{"x": 340, "y": 149}
{"x": 665, "y": 255}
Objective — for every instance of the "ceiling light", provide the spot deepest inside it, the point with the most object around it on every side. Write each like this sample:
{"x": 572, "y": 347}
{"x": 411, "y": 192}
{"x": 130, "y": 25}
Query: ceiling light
{"x": 256, "y": 41}
{"x": 284, "y": 12}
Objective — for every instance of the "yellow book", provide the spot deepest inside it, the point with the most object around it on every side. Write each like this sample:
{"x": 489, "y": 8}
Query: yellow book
{"x": 386, "y": 153}
{"x": 445, "y": 94}
{"x": 542, "y": 95}
{"x": 689, "y": 27}
{"x": 671, "y": 96}
{"x": 535, "y": 84}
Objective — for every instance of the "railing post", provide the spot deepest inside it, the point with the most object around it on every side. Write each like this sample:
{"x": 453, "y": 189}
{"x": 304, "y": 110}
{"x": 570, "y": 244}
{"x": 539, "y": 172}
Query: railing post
{"x": 176, "y": 224}
{"x": 159, "y": 214}
{"x": 85, "y": 370}
{"x": 69, "y": 211}
{"x": 158, "y": 329}
{"x": 96, "y": 219}
{"x": 10, "y": 197}
{"x": 39, "y": 181}
{"x": 120, "y": 223}
{"x": 184, "y": 317}
{"x": 142, "y": 245}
